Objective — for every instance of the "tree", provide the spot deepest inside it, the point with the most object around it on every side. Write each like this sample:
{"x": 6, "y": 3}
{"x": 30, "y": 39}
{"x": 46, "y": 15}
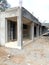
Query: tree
{"x": 3, "y": 5}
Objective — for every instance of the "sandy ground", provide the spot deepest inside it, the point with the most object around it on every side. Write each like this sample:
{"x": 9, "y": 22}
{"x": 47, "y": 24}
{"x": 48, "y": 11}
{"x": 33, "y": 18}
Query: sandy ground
{"x": 35, "y": 53}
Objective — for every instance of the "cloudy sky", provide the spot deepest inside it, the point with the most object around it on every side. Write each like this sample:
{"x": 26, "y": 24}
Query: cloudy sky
{"x": 39, "y": 8}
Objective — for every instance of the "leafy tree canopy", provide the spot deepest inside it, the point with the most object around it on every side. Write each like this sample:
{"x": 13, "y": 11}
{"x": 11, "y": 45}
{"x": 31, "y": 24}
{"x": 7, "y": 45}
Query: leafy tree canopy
{"x": 3, "y": 5}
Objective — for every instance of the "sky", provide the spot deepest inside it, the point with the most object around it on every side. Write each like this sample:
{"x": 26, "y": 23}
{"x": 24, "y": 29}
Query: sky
{"x": 39, "y": 8}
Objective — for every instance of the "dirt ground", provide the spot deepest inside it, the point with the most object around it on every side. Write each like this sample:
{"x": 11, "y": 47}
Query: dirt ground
{"x": 35, "y": 53}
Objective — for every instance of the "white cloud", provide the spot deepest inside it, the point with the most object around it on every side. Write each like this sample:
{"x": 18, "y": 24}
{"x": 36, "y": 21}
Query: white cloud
{"x": 13, "y": 2}
{"x": 40, "y": 8}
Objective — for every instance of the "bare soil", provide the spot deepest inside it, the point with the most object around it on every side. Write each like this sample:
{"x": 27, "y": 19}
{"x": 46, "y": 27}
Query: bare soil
{"x": 35, "y": 53}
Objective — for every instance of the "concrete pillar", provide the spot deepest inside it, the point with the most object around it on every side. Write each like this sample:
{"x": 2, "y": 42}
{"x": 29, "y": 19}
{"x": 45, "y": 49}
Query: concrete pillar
{"x": 32, "y": 31}
{"x": 40, "y": 30}
{"x": 37, "y": 30}
{"x": 19, "y": 30}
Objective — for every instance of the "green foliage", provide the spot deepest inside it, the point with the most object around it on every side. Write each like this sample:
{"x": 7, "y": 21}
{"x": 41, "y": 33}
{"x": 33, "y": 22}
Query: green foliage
{"x": 4, "y": 4}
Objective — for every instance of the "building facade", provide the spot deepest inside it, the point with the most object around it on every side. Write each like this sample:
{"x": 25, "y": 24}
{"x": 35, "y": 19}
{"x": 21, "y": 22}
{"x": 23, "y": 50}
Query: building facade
{"x": 17, "y": 24}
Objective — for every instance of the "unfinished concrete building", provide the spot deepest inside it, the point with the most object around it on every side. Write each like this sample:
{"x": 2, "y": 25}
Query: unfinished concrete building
{"x": 18, "y": 25}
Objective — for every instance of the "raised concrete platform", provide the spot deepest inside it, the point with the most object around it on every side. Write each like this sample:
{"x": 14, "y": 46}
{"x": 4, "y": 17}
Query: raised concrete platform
{"x": 14, "y": 44}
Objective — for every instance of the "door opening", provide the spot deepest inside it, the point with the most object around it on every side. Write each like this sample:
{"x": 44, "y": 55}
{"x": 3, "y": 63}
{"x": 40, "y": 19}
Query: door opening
{"x": 12, "y": 31}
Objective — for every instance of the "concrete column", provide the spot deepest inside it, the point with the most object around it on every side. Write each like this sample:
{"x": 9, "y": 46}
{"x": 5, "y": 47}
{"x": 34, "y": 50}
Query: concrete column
{"x": 19, "y": 30}
{"x": 40, "y": 30}
{"x": 37, "y": 30}
{"x": 32, "y": 31}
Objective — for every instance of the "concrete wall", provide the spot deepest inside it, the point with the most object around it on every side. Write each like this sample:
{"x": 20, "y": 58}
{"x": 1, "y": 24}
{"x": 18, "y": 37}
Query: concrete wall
{"x": 13, "y": 12}
{"x": 2, "y": 28}
{"x": 3, "y": 23}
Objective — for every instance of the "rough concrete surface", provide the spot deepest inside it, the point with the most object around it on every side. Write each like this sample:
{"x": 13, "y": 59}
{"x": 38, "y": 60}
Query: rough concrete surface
{"x": 35, "y": 53}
